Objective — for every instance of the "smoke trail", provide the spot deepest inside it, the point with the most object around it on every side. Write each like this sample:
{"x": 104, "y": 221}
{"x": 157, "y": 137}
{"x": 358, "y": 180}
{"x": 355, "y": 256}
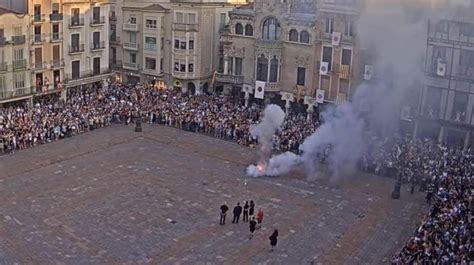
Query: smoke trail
{"x": 277, "y": 165}
{"x": 273, "y": 118}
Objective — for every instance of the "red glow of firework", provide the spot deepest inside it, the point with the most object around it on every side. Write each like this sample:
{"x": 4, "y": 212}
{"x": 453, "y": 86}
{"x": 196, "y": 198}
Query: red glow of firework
{"x": 260, "y": 167}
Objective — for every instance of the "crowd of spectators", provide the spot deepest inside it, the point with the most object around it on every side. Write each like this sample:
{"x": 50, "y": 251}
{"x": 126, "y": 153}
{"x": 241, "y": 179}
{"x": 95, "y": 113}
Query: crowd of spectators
{"x": 444, "y": 174}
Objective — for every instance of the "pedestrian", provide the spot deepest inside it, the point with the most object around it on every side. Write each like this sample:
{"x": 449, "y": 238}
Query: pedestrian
{"x": 237, "y": 212}
{"x": 260, "y": 216}
{"x": 246, "y": 212}
{"x": 224, "y": 210}
{"x": 251, "y": 208}
{"x": 252, "y": 226}
{"x": 273, "y": 239}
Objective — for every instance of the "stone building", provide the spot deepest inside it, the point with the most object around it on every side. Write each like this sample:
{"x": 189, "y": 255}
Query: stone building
{"x": 298, "y": 48}
{"x": 15, "y": 80}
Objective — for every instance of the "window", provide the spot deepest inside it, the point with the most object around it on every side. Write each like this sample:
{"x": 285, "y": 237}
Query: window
{"x": 329, "y": 25}
{"x": 76, "y": 69}
{"x": 75, "y": 41}
{"x": 238, "y": 66}
{"x": 239, "y": 29}
{"x": 96, "y": 14}
{"x": 150, "y": 43}
{"x": 271, "y": 29}
{"x": 442, "y": 26}
{"x": 182, "y": 67}
{"x": 96, "y": 39}
{"x": 293, "y": 35}
{"x": 55, "y": 8}
{"x": 262, "y": 68}
{"x": 18, "y": 80}
{"x": 132, "y": 37}
{"x": 346, "y": 57}
{"x": 179, "y": 17}
{"x": 439, "y": 54}
{"x": 467, "y": 58}
{"x": 133, "y": 20}
{"x": 460, "y": 106}
{"x": 176, "y": 66}
{"x": 301, "y": 75}
{"x": 327, "y": 56}
{"x": 162, "y": 43}
{"x": 150, "y": 63}
{"x": 133, "y": 57}
{"x": 150, "y": 24}
{"x": 192, "y": 18}
{"x": 248, "y": 30}
{"x": 274, "y": 70}
{"x": 191, "y": 68}
{"x": 182, "y": 44}
{"x": 304, "y": 36}
{"x": 113, "y": 32}
{"x": 191, "y": 44}
{"x": 176, "y": 44}
{"x": 348, "y": 30}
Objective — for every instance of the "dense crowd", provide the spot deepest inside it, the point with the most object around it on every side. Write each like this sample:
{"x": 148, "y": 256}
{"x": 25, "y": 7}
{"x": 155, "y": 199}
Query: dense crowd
{"x": 444, "y": 174}
{"x": 51, "y": 119}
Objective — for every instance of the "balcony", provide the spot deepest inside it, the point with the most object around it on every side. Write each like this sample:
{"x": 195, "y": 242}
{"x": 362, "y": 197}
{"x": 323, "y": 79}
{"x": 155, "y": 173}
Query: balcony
{"x": 97, "y": 21}
{"x": 114, "y": 39}
{"x": 112, "y": 18}
{"x": 18, "y": 40}
{"x": 131, "y": 66}
{"x": 18, "y": 92}
{"x": 76, "y": 48}
{"x": 76, "y": 22}
{"x": 56, "y": 36}
{"x": 56, "y": 17}
{"x": 55, "y": 64}
{"x": 38, "y": 18}
{"x": 3, "y": 41}
{"x": 185, "y": 27}
{"x": 465, "y": 72}
{"x": 230, "y": 79}
{"x": 39, "y": 66}
{"x": 38, "y": 38}
{"x": 3, "y": 67}
{"x": 19, "y": 64}
{"x": 115, "y": 64}
{"x": 96, "y": 46}
{"x": 272, "y": 87}
{"x": 130, "y": 27}
{"x": 130, "y": 46}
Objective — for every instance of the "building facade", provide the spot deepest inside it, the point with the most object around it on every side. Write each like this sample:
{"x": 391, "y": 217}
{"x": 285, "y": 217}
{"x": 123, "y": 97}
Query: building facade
{"x": 86, "y": 41}
{"x": 447, "y": 99}
{"x": 294, "y": 47}
{"x": 15, "y": 80}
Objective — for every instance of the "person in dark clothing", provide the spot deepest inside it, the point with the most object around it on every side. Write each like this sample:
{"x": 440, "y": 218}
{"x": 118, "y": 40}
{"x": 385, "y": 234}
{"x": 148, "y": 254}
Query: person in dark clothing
{"x": 252, "y": 226}
{"x": 237, "y": 212}
{"x": 252, "y": 208}
{"x": 245, "y": 218}
{"x": 273, "y": 239}
{"x": 224, "y": 210}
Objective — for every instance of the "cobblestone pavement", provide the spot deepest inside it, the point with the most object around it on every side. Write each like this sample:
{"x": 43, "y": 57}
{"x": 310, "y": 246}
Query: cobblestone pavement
{"x": 116, "y": 196}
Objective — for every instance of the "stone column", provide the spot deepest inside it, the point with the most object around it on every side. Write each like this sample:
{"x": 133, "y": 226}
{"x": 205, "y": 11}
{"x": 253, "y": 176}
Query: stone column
{"x": 441, "y": 135}
{"x": 467, "y": 141}
{"x": 247, "y": 97}
{"x": 309, "y": 112}
{"x": 226, "y": 65}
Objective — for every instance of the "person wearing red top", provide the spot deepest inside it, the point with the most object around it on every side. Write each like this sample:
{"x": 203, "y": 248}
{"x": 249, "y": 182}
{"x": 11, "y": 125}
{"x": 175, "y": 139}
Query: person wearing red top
{"x": 260, "y": 216}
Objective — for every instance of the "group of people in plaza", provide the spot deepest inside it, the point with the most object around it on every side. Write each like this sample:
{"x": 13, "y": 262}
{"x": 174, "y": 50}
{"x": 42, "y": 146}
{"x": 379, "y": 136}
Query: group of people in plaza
{"x": 254, "y": 219}
{"x": 444, "y": 174}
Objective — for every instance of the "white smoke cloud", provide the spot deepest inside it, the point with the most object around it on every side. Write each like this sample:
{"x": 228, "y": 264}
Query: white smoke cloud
{"x": 277, "y": 165}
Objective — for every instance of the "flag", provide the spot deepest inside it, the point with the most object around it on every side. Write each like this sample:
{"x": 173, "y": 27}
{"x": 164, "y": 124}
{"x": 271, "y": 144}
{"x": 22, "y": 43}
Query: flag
{"x": 320, "y": 96}
{"x": 259, "y": 89}
{"x": 441, "y": 69}
{"x": 323, "y": 69}
{"x": 336, "y": 38}
{"x": 369, "y": 69}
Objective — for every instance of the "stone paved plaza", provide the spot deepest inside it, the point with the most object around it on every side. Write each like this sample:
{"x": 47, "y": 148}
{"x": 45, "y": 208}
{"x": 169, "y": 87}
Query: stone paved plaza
{"x": 115, "y": 196}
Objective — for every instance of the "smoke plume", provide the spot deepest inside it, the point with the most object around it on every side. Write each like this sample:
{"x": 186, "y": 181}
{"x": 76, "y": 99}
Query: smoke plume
{"x": 393, "y": 32}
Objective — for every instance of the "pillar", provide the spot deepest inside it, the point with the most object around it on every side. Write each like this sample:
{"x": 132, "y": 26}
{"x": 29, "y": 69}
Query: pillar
{"x": 441, "y": 135}
{"x": 226, "y": 65}
{"x": 309, "y": 112}
{"x": 287, "y": 106}
{"x": 247, "y": 96}
{"x": 467, "y": 141}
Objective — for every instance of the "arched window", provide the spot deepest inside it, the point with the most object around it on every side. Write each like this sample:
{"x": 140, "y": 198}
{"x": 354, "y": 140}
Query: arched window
{"x": 274, "y": 70}
{"x": 239, "y": 29}
{"x": 293, "y": 36}
{"x": 271, "y": 29}
{"x": 304, "y": 36}
{"x": 262, "y": 68}
{"x": 248, "y": 30}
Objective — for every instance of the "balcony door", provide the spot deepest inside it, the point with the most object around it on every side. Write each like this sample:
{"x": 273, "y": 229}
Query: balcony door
{"x": 75, "y": 42}
{"x": 96, "y": 39}
{"x": 96, "y": 66}
{"x": 76, "y": 69}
